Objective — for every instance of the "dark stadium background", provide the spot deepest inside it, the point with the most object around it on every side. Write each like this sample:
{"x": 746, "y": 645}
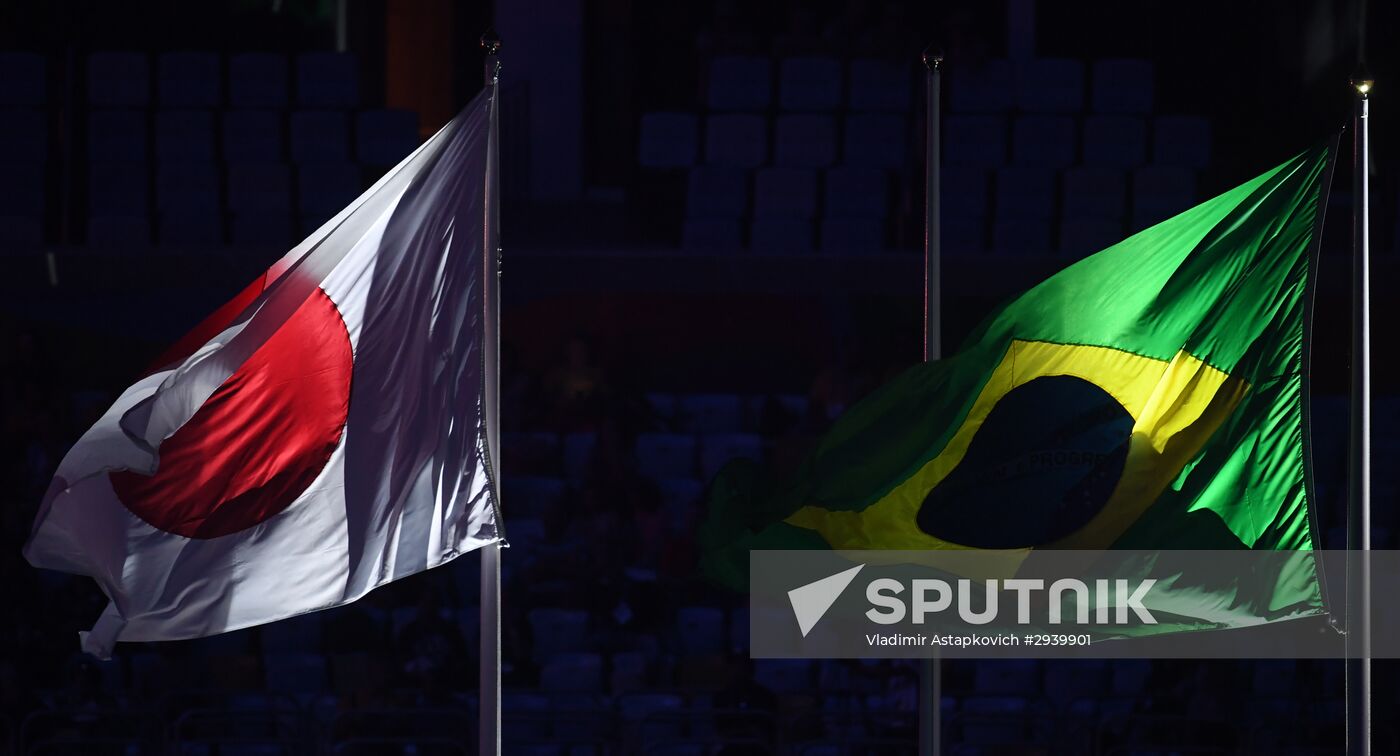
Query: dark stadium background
{"x": 656, "y": 324}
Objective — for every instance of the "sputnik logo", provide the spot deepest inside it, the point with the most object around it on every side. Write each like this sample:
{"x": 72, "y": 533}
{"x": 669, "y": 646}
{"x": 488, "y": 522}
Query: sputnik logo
{"x": 811, "y": 601}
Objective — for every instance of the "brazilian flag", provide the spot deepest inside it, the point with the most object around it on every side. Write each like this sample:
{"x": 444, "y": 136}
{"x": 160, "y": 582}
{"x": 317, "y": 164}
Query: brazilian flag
{"x": 1151, "y": 396}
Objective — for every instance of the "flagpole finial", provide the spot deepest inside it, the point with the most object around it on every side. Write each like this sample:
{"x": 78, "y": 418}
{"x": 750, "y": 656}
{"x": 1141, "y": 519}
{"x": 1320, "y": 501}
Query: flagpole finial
{"x": 933, "y": 58}
{"x": 1362, "y": 83}
{"x": 491, "y": 42}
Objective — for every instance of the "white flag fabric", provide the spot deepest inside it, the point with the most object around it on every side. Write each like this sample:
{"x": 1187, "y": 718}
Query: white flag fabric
{"x": 322, "y": 434}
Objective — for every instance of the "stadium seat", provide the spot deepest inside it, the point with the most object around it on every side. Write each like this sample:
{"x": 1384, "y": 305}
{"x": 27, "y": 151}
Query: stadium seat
{"x": 705, "y": 235}
{"x": 1116, "y": 141}
{"x": 578, "y": 452}
{"x": 663, "y": 405}
{"x": 531, "y": 452}
{"x": 385, "y": 137}
{"x": 320, "y": 136}
{"x": 640, "y": 713}
{"x": 1021, "y": 236}
{"x": 739, "y": 629}
{"x": 805, "y": 141}
{"x": 988, "y": 88}
{"x": 994, "y": 720}
{"x": 666, "y": 455}
{"x": 1275, "y": 677}
{"x": 18, "y": 233}
{"x": 717, "y": 192}
{"x": 700, "y": 630}
{"x": 852, "y": 235}
{"x": 532, "y": 495}
{"x": 23, "y": 137}
{"x": 187, "y": 187}
{"x": 975, "y": 140}
{"x": 293, "y": 635}
{"x": 118, "y": 189}
{"x": 781, "y": 236}
{"x": 740, "y": 83}
{"x": 1050, "y": 85}
{"x": 965, "y": 190}
{"x": 295, "y": 673}
{"x": 668, "y": 140}
{"x": 1006, "y": 677}
{"x": 1123, "y": 85}
{"x": 323, "y": 189}
{"x": 253, "y": 136}
{"x": 785, "y": 675}
{"x": 1130, "y": 676}
{"x": 558, "y": 631}
{"x": 1047, "y": 141}
{"x": 1095, "y": 192}
{"x": 254, "y": 187}
{"x": 736, "y": 140}
{"x": 1181, "y": 140}
{"x": 524, "y": 532}
{"x": 118, "y": 231}
{"x": 257, "y": 81}
{"x": 787, "y": 193}
{"x": 268, "y": 228}
{"x": 1025, "y": 191}
{"x": 964, "y": 233}
{"x": 709, "y": 413}
{"x": 680, "y": 499}
{"x": 856, "y": 192}
{"x": 627, "y": 672}
{"x": 117, "y": 136}
{"x": 1068, "y": 681}
{"x": 878, "y": 86}
{"x": 716, "y": 449}
{"x": 876, "y": 141}
{"x": 809, "y": 84}
{"x": 327, "y": 80}
{"x": 1160, "y": 192}
{"x": 22, "y": 191}
{"x": 189, "y": 80}
{"x": 23, "y": 79}
{"x": 119, "y": 79}
{"x": 1080, "y": 237}
{"x": 185, "y": 136}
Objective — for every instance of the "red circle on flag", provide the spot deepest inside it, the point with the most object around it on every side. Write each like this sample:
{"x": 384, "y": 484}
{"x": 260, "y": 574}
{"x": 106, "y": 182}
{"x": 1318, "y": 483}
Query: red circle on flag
{"x": 260, "y": 439}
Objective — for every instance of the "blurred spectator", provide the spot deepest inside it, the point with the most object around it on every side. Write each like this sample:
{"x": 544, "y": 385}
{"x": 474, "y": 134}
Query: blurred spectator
{"x": 432, "y": 654}
{"x": 575, "y": 386}
{"x": 749, "y": 710}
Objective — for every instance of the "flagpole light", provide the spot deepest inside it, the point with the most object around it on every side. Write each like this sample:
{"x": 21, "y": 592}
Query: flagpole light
{"x": 491, "y": 42}
{"x": 1362, "y": 83}
{"x": 933, "y": 58}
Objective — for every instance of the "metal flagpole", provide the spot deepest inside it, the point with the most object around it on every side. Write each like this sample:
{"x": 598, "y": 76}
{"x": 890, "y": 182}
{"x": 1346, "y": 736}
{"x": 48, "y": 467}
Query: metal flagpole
{"x": 931, "y": 669}
{"x": 933, "y": 304}
{"x": 1359, "y": 475}
{"x": 489, "y": 698}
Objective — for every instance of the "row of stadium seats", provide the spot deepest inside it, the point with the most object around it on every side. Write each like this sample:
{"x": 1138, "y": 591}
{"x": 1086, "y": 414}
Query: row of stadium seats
{"x": 184, "y": 172}
{"x": 1025, "y": 693}
{"x": 373, "y": 137}
{"x": 258, "y": 203}
{"x": 818, "y": 84}
{"x": 1014, "y": 208}
{"x": 659, "y": 455}
{"x": 673, "y": 140}
{"x": 809, "y": 153}
{"x": 251, "y": 80}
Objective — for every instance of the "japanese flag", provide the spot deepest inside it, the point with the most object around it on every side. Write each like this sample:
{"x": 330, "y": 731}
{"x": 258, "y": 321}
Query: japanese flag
{"x": 324, "y": 433}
